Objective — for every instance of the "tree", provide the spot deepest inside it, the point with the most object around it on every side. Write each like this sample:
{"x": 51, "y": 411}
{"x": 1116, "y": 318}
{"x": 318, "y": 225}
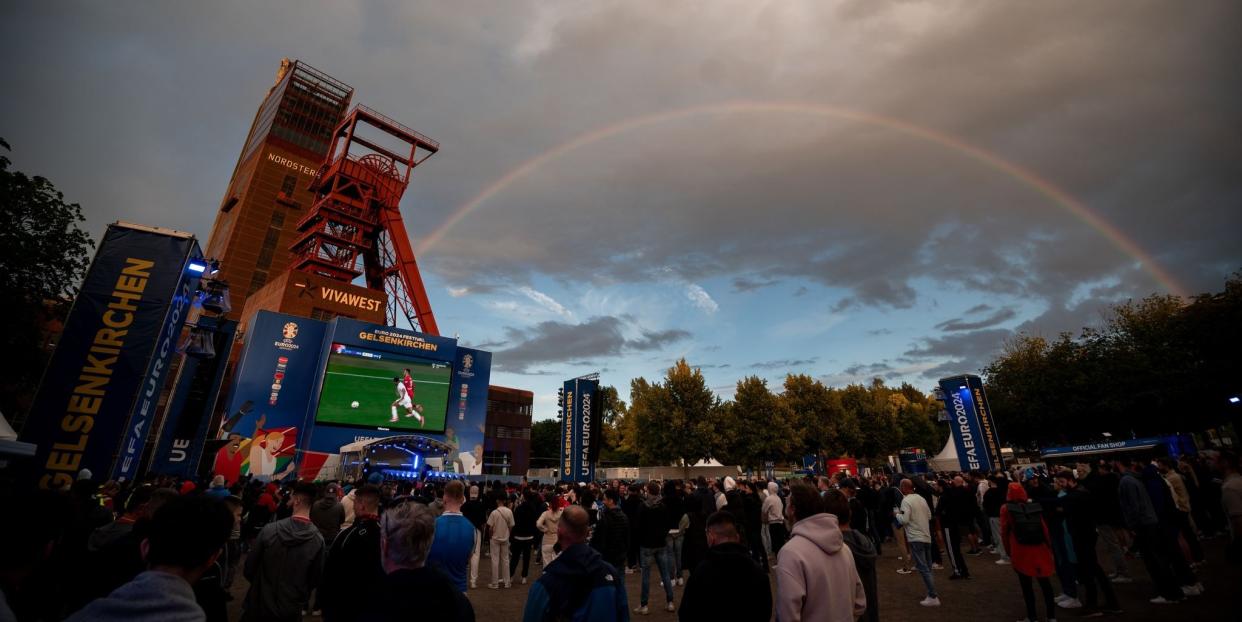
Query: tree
{"x": 674, "y": 420}
{"x": 545, "y": 444}
{"x": 43, "y": 257}
{"x": 757, "y": 426}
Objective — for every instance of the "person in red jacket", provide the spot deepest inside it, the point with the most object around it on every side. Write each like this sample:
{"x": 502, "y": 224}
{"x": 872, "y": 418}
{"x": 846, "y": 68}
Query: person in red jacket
{"x": 1030, "y": 561}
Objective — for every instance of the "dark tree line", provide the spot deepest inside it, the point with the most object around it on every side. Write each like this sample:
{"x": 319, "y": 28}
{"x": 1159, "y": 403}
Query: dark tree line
{"x": 1157, "y": 366}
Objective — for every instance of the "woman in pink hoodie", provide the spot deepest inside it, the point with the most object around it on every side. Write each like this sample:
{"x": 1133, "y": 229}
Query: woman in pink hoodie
{"x": 815, "y": 574}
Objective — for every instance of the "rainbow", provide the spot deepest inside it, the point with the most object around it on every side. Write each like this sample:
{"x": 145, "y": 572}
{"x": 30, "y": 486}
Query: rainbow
{"x": 991, "y": 160}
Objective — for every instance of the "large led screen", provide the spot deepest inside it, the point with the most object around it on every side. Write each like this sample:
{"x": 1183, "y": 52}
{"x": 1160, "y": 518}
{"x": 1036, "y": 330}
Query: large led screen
{"x": 378, "y": 390}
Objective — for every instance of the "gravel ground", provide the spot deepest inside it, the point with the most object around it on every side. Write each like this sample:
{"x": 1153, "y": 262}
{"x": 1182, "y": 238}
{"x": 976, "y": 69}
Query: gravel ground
{"x": 992, "y": 595}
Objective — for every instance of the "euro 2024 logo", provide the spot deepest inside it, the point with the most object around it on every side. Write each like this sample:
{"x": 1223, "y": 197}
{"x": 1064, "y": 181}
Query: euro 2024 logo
{"x": 289, "y": 331}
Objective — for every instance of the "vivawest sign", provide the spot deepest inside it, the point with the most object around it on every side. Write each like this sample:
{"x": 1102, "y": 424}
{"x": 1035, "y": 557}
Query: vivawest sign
{"x": 94, "y": 407}
{"x": 970, "y": 421}
{"x": 580, "y": 430}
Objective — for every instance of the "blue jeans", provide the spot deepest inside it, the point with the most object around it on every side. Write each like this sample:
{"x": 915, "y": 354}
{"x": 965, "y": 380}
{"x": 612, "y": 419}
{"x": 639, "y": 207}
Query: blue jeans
{"x": 672, "y": 549}
{"x": 644, "y": 562}
{"x": 921, "y": 552}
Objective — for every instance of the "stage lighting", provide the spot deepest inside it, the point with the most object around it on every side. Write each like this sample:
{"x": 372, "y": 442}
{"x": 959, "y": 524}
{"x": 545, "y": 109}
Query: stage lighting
{"x": 1235, "y": 399}
{"x": 214, "y": 267}
{"x": 197, "y": 266}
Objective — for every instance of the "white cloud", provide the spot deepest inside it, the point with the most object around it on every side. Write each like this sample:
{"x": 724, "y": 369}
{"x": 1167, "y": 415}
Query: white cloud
{"x": 701, "y": 298}
{"x": 547, "y": 302}
{"x": 457, "y": 292}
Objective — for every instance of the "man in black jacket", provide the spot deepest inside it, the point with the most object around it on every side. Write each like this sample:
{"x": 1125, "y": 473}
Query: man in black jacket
{"x": 726, "y": 569}
{"x": 631, "y": 505}
{"x": 1077, "y": 509}
{"x": 652, "y": 532}
{"x": 612, "y": 532}
{"x": 353, "y": 571}
{"x": 409, "y": 585}
{"x": 525, "y": 515}
{"x": 957, "y": 512}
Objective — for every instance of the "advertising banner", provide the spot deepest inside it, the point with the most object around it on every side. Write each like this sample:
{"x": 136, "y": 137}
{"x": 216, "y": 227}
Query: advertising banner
{"x": 1174, "y": 446}
{"x": 95, "y": 389}
{"x": 971, "y": 423}
{"x": 580, "y": 430}
{"x": 193, "y": 401}
{"x": 270, "y": 397}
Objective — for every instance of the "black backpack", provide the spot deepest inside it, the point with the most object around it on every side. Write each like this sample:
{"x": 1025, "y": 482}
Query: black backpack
{"x": 1028, "y": 523}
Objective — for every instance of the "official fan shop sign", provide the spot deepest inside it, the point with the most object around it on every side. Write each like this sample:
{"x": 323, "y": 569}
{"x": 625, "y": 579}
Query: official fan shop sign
{"x": 94, "y": 407}
{"x": 970, "y": 421}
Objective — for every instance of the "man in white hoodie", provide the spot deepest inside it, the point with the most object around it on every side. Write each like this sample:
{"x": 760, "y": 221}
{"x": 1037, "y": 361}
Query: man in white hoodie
{"x": 773, "y": 512}
{"x": 815, "y": 575}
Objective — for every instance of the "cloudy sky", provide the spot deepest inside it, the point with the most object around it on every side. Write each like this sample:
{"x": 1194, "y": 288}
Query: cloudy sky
{"x": 845, "y": 189}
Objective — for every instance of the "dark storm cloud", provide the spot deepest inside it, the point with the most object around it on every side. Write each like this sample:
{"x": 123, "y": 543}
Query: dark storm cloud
{"x": 999, "y": 317}
{"x": 746, "y": 284}
{"x": 139, "y": 111}
{"x": 581, "y": 344}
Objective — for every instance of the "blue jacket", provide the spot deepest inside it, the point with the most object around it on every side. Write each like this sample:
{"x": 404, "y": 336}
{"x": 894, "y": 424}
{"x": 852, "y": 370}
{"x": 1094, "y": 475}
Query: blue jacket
{"x": 580, "y": 586}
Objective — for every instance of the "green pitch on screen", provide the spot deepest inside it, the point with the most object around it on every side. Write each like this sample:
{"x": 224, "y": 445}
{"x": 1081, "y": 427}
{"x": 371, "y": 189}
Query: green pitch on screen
{"x": 369, "y": 382}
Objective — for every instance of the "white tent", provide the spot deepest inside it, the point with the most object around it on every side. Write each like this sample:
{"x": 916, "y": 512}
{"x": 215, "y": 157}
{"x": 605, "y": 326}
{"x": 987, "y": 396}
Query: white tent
{"x": 946, "y": 460}
{"x": 10, "y": 447}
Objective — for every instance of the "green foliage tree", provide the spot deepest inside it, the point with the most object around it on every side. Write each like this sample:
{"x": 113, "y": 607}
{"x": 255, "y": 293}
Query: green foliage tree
{"x": 756, "y": 426}
{"x": 674, "y": 420}
{"x": 43, "y": 257}
{"x": 545, "y": 444}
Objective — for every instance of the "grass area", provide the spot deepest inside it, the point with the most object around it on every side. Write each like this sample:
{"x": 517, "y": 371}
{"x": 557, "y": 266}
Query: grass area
{"x": 369, "y": 382}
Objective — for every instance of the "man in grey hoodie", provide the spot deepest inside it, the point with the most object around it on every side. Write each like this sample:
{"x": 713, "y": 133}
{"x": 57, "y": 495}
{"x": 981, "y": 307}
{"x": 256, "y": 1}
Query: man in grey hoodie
{"x": 185, "y": 538}
{"x": 285, "y": 564}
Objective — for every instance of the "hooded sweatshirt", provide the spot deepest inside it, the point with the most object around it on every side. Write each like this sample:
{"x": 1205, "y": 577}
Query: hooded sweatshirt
{"x": 815, "y": 576}
{"x": 652, "y": 523}
{"x": 284, "y": 566}
{"x": 1032, "y": 560}
{"x": 152, "y": 595}
{"x": 773, "y": 507}
{"x": 577, "y": 585}
{"x": 727, "y": 569}
{"x": 864, "y": 562}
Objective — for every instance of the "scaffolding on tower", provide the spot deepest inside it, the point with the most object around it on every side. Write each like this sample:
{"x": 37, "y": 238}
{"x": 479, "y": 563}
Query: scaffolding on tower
{"x": 354, "y": 228}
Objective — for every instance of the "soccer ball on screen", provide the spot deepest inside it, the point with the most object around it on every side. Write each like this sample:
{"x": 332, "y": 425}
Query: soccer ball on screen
{"x": 353, "y": 404}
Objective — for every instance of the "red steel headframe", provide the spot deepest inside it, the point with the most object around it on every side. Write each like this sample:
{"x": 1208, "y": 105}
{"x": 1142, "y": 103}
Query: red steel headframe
{"x": 355, "y": 226}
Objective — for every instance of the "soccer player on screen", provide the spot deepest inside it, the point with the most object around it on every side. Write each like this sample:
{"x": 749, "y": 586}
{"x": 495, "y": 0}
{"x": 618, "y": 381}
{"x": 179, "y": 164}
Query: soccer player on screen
{"x": 403, "y": 400}
{"x": 409, "y": 388}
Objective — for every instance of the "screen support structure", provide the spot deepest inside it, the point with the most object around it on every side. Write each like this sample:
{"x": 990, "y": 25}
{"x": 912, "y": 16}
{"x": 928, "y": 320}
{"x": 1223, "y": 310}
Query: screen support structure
{"x": 355, "y": 229}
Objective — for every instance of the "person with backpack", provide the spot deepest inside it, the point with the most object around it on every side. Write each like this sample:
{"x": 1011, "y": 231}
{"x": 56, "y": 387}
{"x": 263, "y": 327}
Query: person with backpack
{"x": 1026, "y": 540}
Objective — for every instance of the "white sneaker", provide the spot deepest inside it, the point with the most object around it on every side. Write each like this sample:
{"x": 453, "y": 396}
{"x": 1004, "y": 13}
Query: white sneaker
{"x": 641, "y": 610}
{"x": 937, "y": 567}
{"x": 1193, "y": 590}
{"x": 1060, "y": 599}
{"x": 474, "y": 585}
{"x": 1160, "y": 600}
{"x": 523, "y": 580}
{"x": 681, "y": 581}
{"x": 1070, "y": 603}
{"x": 508, "y": 585}
{"x": 1122, "y": 579}
{"x": 670, "y": 607}
{"x": 493, "y": 586}
{"x": 930, "y": 601}
{"x": 1002, "y": 562}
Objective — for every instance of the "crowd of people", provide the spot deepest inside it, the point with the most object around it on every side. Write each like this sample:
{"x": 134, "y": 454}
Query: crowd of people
{"x": 380, "y": 550}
